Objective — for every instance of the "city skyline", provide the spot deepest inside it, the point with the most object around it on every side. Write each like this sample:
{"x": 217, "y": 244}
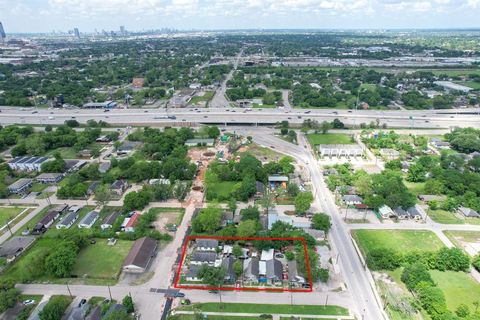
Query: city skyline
{"x": 140, "y": 15}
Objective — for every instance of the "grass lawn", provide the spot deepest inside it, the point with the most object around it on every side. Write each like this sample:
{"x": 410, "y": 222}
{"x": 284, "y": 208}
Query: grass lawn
{"x": 329, "y": 138}
{"x": 270, "y": 308}
{"x": 445, "y": 217}
{"x": 222, "y": 189}
{"x": 464, "y": 239}
{"x": 458, "y": 288}
{"x": 472, "y": 84}
{"x": 179, "y": 211}
{"x": 400, "y": 240}
{"x": 415, "y": 187}
{"x": 101, "y": 260}
{"x": 261, "y": 153}
{"x": 8, "y": 213}
{"x": 34, "y": 220}
{"x": 207, "y": 96}
{"x": 38, "y": 187}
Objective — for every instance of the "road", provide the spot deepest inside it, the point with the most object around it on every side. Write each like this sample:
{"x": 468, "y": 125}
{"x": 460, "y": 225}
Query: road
{"x": 219, "y": 100}
{"x": 358, "y": 280}
{"x": 433, "y": 119}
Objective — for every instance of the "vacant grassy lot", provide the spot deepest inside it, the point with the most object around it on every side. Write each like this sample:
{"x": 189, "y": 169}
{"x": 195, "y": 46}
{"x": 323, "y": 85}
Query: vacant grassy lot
{"x": 100, "y": 260}
{"x": 458, "y": 288}
{"x": 472, "y": 84}
{"x": 221, "y": 190}
{"x": 464, "y": 240}
{"x": 415, "y": 187}
{"x": 270, "y": 308}
{"x": 329, "y": 138}
{"x": 445, "y": 217}
{"x": 400, "y": 240}
{"x": 8, "y": 213}
{"x": 207, "y": 96}
{"x": 261, "y": 153}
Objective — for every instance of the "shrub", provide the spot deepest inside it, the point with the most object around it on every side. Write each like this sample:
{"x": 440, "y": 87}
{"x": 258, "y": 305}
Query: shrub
{"x": 414, "y": 274}
{"x": 383, "y": 259}
{"x": 453, "y": 259}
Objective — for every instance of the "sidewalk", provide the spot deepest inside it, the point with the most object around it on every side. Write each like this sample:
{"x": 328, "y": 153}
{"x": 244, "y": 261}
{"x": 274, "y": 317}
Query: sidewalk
{"x": 275, "y": 315}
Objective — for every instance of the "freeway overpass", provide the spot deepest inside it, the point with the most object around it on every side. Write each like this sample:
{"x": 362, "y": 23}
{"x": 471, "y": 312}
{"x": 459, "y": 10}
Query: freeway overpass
{"x": 235, "y": 116}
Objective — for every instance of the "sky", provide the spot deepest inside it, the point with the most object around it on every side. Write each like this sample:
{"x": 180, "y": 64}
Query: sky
{"x": 138, "y": 15}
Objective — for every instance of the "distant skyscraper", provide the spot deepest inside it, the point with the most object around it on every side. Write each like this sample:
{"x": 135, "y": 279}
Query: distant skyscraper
{"x": 122, "y": 30}
{"x": 2, "y": 34}
{"x": 76, "y": 33}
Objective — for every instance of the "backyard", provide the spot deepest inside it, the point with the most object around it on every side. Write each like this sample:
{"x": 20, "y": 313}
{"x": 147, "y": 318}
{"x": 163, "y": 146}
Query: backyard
{"x": 328, "y": 138}
{"x": 399, "y": 240}
{"x": 8, "y": 213}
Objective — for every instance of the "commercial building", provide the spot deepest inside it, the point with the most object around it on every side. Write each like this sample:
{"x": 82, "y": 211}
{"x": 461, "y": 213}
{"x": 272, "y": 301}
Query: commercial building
{"x": 27, "y": 163}
{"x": 450, "y": 86}
{"x": 20, "y": 186}
{"x": 340, "y": 150}
{"x": 140, "y": 255}
{"x": 100, "y": 105}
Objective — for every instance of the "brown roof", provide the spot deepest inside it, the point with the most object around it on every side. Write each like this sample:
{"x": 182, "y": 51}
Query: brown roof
{"x": 141, "y": 252}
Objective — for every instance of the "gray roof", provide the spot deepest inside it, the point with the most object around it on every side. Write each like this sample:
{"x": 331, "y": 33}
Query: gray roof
{"x": 192, "y": 271}
{"x": 93, "y": 186}
{"x": 141, "y": 252}
{"x": 103, "y": 167}
{"x": 278, "y": 179}
{"x": 204, "y": 256}
{"x": 89, "y": 218}
{"x": 207, "y": 243}
{"x": 15, "y": 245}
{"x": 352, "y": 198}
{"x": 292, "y": 269}
{"x": 252, "y": 267}
{"x": 260, "y": 187}
{"x": 117, "y": 184}
{"x": 20, "y": 183}
{"x": 72, "y": 216}
{"x": 274, "y": 269}
{"x": 400, "y": 212}
{"x": 227, "y": 263}
{"x": 51, "y": 215}
{"x": 111, "y": 218}
{"x": 467, "y": 212}
{"x": 413, "y": 212}
{"x": 48, "y": 176}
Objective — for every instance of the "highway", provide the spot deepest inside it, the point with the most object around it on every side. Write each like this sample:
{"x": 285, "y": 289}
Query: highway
{"x": 433, "y": 119}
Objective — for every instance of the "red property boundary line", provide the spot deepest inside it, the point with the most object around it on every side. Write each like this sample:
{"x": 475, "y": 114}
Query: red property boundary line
{"x": 224, "y": 238}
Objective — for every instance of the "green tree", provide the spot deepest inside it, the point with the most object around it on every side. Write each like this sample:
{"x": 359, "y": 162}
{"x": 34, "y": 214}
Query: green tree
{"x": 8, "y": 295}
{"x": 237, "y": 251}
{"x": 247, "y": 228}
{"x": 55, "y": 308}
{"x": 415, "y": 273}
{"x": 462, "y": 311}
{"x": 453, "y": 259}
{"x": 60, "y": 262}
{"x": 321, "y": 221}
{"x": 208, "y": 220}
{"x": 237, "y": 268}
{"x": 103, "y": 195}
{"x": 250, "y": 213}
{"x": 325, "y": 126}
{"x": 212, "y": 276}
{"x": 127, "y": 302}
{"x": 303, "y": 202}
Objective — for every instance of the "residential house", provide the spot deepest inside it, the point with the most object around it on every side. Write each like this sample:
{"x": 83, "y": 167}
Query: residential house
{"x": 21, "y": 186}
{"x": 351, "y": 200}
{"x": 203, "y": 257}
{"x": 389, "y": 154}
{"x": 46, "y": 222}
{"x": 68, "y": 220}
{"x": 251, "y": 270}
{"x": 227, "y": 218}
{"x": 415, "y": 213}
{"x": 386, "y": 212}
{"x": 270, "y": 269}
{"x": 276, "y": 181}
{"x": 439, "y": 144}
{"x": 85, "y": 154}
{"x": 49, "y": 177}
{"x": 92, "y": 187}
{"x": 60, "y": 208}
{"x": 206, "y": 244}
{"x": 401, "y": 214}
{"x": 294, "y": 277}
{"x": 140, "y": 255}
{"x": 104, "y": 167}
{"x": 127, "y": 147}
{"x": 110, "y": 220}
{"x": 192, "y": 273}
{"x": 89, "y": 220}
{"x": 468, "y": 213}
{"x": 227, "y": 264}
{"x": 74, "y": 208}
{"x": 404, "y": 166}
{"x": 132, "y": 222}
{"x": 259, "y": 189}
{"x": 119, "y": 187}
{"x": 330, "y": 171}
{"x": 340, "y": 150}
{"x": 13, "y": 247}
{"x": 431, "y": 197}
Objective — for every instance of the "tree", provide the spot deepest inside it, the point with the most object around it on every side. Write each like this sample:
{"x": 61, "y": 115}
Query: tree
{"x": 250, "y": 213}
{"x": 8, "y": 295}
{"x": 415, "y": 273}
{"x": 103, "y": 195}
{"x": 363, "y": 184}
{"x": 462, "y": 311}
{"x": 337, "y": 124}
{"x": 286, "y": 165}
{"x": 60, "y": 262}
{"x": 293, "y": 189}
{"x": 127, "y": 302}
{"x": 453, "y": 259}
{"x": 232, "y": 205}
{"x": 55, "y": 308}
{"x": 321, "y": 221}
{"x": 72, "y": 123}
{"x": 237, "y": 268}
{"x": 237, "y": 251}
{"x": 303, "y": 202}
{"x": 431, "y": 299}
{"x": 212, "y": 276}
{"x": 325, "y": 126}
{"x": 247, "y": 228}
{"x": 383, "y": 259}
{"x": 213, "y": 132}
{"x": 208, "y": 220}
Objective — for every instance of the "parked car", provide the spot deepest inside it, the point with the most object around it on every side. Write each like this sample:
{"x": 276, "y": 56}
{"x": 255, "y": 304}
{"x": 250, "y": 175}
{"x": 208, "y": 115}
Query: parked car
{"x": 185, "y": 302}
{"x": 82, "y": 302}
{"x": 28, "y": 302}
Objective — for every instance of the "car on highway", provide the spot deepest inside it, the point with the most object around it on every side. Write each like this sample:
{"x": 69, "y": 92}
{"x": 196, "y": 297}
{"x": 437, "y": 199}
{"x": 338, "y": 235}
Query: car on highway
{"x": 34, "y": 111}
{"x": 51, "y": 118}
{"x": 106, "y": 110}
{"x": 28, "y": 302}
{"x": 213, "y": 291}
{"x": 335, "y": 112}
{"x": 180, "y": 295}
{"x": 307, "y": 112}
{"x": 205, "y": 116}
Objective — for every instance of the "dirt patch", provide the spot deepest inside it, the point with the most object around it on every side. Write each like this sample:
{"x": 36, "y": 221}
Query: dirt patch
{"x": 166, "y": 218}
{"x": 197, "y": 188}
{"x": 208, "y": 154}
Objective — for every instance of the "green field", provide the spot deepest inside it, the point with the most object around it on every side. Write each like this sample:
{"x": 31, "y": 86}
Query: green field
{"x": 100, "y": 260}
{"x": 38, "y": 187}
{"x": 222, "y": 189}
{"x": 71, "y": 153}
{"x": 416, "y": 188}
{"x": 445, "y": 217}
{"x": 472, "y": 84}
{"x": 261, "y": 153}
{"x": 329, "y": 138}
{"x": 207, "y": 96}
{"x": 8, "y": 213}
{"x": 399, "y": 240}
{"x": 178, "y": 211}
{"x": 463, "y": 238}
{"x": 458, "y": 287}
{"x": 269, "y": 308}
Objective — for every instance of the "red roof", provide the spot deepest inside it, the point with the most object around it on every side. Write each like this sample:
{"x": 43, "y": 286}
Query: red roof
{"x": 133, "y": 220}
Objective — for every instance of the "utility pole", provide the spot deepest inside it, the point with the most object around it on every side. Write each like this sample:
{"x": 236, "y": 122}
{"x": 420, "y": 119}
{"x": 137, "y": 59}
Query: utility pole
{"x": 69, "y": 292}
{"x": 326, "y": 301}
{"x": 8, "y": 227}
{"x": 109, "y": 292}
